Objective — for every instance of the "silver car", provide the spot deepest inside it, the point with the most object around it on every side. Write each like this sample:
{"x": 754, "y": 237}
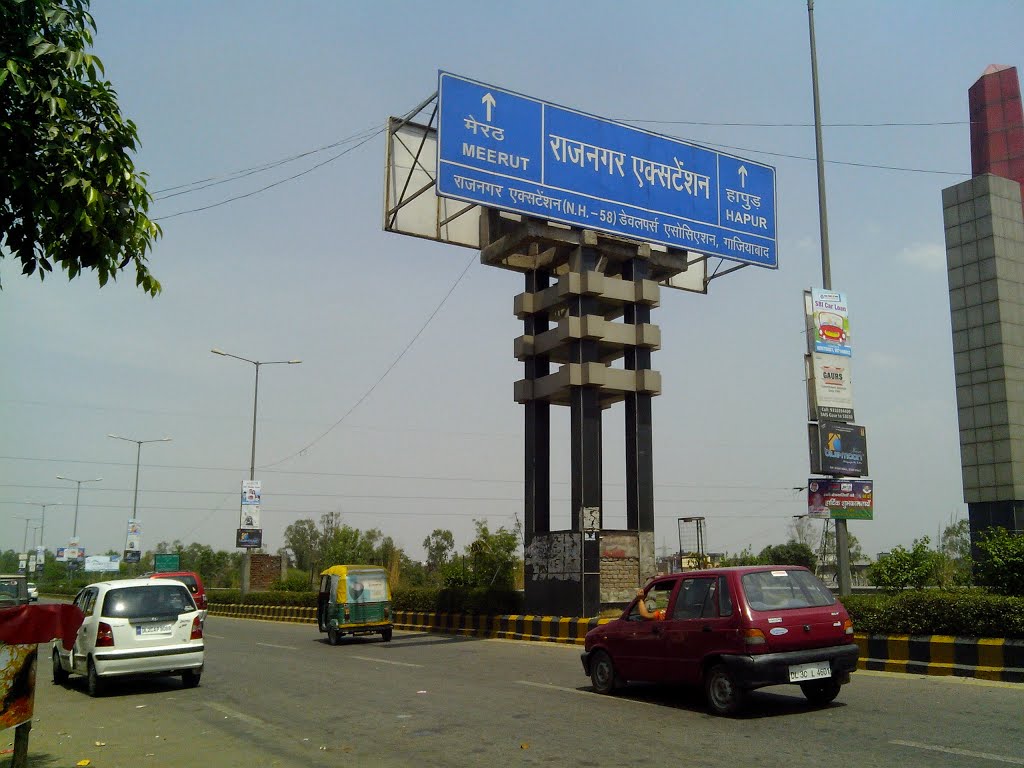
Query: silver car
{"x": 133, "y": 627}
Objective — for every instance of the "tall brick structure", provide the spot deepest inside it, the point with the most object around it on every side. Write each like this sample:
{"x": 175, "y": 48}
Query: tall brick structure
{"x": 984, "y": 230}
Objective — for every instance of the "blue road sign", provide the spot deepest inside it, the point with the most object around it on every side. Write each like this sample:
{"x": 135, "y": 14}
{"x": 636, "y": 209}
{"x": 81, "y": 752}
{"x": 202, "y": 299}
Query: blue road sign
{"x": 504, "y": 150}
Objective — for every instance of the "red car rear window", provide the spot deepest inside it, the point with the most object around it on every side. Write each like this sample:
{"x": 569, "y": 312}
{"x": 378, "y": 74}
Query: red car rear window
{"x": 782, "y": 589}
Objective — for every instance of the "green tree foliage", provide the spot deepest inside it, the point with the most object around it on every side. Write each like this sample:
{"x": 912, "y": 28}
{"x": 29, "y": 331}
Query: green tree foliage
{"x": 302, "y": 540}
{"x": 790, "y": 553}
{"x": 440, "y": 546}
{"x": 491, "y": 561}
{"x": 902, "y": 568}
{"x": 69, "y": 192}
{"x": 954, "y": 564}
{"x": 1001, "y": 564}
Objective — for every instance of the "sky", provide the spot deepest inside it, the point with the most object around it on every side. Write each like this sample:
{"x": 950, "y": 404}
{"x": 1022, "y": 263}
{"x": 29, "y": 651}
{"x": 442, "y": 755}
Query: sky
{"x": 401, "y": 415}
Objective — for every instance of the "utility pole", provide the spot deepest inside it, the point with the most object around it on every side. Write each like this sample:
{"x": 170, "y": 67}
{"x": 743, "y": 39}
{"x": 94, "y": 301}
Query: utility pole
{"x": 842, "y": 540}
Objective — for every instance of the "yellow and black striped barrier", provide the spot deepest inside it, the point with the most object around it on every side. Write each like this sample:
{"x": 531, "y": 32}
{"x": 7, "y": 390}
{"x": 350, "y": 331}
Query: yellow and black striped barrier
{"x": 981, "y": 657}
{"x": 984, "y": 658}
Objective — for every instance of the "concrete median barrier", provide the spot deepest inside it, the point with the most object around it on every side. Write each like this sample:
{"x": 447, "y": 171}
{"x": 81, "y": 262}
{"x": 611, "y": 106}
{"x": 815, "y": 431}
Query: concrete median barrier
{"x": 983, "y": 658}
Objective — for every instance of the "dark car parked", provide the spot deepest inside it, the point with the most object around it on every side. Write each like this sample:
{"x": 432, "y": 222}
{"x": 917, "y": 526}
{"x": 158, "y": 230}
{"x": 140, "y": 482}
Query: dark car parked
{"x": 730, "y": 630}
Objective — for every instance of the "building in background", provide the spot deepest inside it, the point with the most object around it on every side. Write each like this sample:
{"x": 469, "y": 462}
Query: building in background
{"x": 984, "y": 227}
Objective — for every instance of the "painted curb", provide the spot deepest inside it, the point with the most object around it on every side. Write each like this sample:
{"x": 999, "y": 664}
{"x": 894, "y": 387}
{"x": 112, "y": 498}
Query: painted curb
{"x": 941, "y": 655}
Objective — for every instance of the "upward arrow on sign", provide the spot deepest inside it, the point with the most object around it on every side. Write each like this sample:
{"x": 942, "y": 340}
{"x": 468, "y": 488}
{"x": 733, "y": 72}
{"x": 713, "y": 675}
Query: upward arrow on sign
{"x": 742, "y": 171}
{"x": 489, "y": 102}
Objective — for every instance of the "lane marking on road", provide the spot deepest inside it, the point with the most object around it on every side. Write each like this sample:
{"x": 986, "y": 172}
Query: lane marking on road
{"x": 226, "y": 710}
{"x": 215, "y": 637}
{"x": 282, "y": 647}
{"x": 961, "y": 752}
{"x": 386, "y": 661}
{"x": 548, "y": 687}
{"x": 937, "y": 679}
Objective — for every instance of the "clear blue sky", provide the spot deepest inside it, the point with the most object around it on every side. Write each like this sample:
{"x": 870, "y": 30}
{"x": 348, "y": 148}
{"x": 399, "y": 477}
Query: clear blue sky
{"x": 305, "y": 271}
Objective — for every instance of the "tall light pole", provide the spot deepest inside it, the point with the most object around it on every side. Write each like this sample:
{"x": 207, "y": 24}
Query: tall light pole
{"x": 252, "y": 458}
{"x": 24, "y": 540}
{"x": 842, "y": 539}
{"x": 78, "y": 492}
{"x": 42, "y": 525}
{"x": 138, "y": 455}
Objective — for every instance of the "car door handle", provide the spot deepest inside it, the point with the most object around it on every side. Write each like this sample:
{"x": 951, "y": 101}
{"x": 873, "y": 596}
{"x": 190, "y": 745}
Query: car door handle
{"x": 706, "y": 628}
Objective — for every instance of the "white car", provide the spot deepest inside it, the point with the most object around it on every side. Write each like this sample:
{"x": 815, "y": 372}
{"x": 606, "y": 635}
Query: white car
{"x": 133, "y": 627}
{"x": 33, "y": 592}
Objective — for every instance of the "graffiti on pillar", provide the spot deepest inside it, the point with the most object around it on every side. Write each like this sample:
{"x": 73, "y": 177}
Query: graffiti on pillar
{"x": 557, "y": 556}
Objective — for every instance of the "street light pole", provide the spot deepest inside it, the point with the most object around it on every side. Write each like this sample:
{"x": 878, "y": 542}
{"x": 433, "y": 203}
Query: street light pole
{"x": 42, "y": 526}
{"x": 252, "y": 455}
{"x": 138, "y": 456}
{"x": 78, "y": 492}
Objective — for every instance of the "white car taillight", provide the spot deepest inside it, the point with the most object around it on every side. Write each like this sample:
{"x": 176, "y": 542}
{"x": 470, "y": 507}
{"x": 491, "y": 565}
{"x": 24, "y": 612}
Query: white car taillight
{"x": 104, "y": 636}
{"x": 197, "y": 629}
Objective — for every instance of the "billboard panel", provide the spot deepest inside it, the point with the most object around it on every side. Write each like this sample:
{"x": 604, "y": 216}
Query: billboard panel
{"x": 829, "y": 388}
{"x": 840, "y": 499}
{"x": 514, "y": 153}
{"x": 246, "y": 538}
{"x": 838, "y": 449}
{"x": 829, "y": 327}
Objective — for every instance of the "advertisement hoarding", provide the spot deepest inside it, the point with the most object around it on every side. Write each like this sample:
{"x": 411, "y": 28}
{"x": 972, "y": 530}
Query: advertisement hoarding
{"x": 248, "y": 539}
{"x": 133, "y": 538}
{"x": 829, "y": 327}
{"x": 103, "y": 563}
{"x": 838, "y": 449}
{"x": 840, "y": 499}
{"x": 829, "y": 387}
{"x": 249, "y": 515}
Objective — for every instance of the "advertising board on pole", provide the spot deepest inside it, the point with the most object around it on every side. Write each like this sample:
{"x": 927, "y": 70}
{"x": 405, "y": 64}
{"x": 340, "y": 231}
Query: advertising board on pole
{"x": 829, "y": 388}
{"x": 510, "y": 152}
{"x": 830, "y": 323}
{"x": 840, "y": 499}
{"x": 248, "y": 539}
{"x": 838, "y": 449}
{"x": 249, "y": 515}
{"x": 133, "y": 542}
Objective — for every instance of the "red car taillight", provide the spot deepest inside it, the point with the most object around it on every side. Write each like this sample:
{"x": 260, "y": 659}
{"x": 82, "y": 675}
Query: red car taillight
{"x": 104, "y": 636}
{"x": 848, "y": 627}
{"x": 197, "y": 629}
{"x": 753, "y": 637}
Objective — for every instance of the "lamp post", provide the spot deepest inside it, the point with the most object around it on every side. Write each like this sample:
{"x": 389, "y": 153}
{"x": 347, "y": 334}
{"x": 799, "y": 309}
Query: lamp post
{"x": 24, "y": 539}
{"x": 252, "y": 457}
{"x": 74, "y": 530}
{"x": 138, "y": 455}
{"x": 42, "y": 524}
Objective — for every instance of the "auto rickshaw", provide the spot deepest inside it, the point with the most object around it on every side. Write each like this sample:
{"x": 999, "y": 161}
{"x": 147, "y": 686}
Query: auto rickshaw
{"x": 354, "y": 600}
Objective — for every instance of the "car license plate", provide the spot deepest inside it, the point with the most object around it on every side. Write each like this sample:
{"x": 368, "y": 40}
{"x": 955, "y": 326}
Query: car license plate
{"x": 153, "y": 629}
{"x": 813, "y": 671}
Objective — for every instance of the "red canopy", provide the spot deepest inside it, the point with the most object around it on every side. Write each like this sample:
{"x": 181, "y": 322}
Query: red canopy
{"x": 27, "y": 624}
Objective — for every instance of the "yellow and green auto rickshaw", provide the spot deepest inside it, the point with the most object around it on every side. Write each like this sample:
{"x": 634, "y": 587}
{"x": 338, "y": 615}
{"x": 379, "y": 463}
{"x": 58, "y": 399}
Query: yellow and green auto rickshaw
{"x": 354, "y": 600}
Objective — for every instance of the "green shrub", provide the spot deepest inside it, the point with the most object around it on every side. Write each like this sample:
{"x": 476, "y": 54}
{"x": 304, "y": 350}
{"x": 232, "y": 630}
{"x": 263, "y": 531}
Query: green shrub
{"x": 296, "y": 581}
{"x": 965, "y": 613}
{"x": 901, "y": 568}
{"x": 1001, "y": 565}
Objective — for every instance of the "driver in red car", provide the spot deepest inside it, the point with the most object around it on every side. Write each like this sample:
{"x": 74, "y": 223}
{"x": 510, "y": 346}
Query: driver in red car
{"x": 657, "y": 614}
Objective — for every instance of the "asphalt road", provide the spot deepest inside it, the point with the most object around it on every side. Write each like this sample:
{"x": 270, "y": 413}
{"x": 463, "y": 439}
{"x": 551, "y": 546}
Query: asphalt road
{"x": 277, "y": 694}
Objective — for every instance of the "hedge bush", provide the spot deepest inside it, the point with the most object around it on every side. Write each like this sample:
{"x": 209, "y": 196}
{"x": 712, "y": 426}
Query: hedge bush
{"x": 964, "y": 613}
{"x": 423, "y": 599}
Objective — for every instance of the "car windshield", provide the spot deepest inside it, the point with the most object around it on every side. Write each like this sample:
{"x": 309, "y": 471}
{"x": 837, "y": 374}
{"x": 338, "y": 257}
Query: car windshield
{"x": 782, "y": 589}
{"x": 137, "y": 602}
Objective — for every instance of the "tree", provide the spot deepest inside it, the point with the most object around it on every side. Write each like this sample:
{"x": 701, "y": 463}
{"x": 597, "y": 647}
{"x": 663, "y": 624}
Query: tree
{"x": 303, "y": 541}
{"x": 492, "y": 558}
{"x": 790, "y": 553}
{"x": 440, "y": 545}
{"x": 954, "y": 563}
{"x": 901, "y": 568}
{"x": 69, "y": 191}
{"x": 1001, "y": 564}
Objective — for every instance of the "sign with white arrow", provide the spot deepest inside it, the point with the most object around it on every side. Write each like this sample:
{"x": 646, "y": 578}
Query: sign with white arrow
{"x": 502, "y": 150}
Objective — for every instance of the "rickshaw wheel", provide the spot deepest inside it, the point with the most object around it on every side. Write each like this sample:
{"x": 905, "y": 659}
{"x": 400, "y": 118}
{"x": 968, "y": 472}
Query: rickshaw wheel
{"x": 386, "y": 634}
{"x": 333, "y": 636}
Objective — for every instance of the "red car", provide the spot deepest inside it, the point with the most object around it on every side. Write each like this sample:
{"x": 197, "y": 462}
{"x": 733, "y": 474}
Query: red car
{"x": 191, "y": 580}
{"x": 730, "y": 630}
